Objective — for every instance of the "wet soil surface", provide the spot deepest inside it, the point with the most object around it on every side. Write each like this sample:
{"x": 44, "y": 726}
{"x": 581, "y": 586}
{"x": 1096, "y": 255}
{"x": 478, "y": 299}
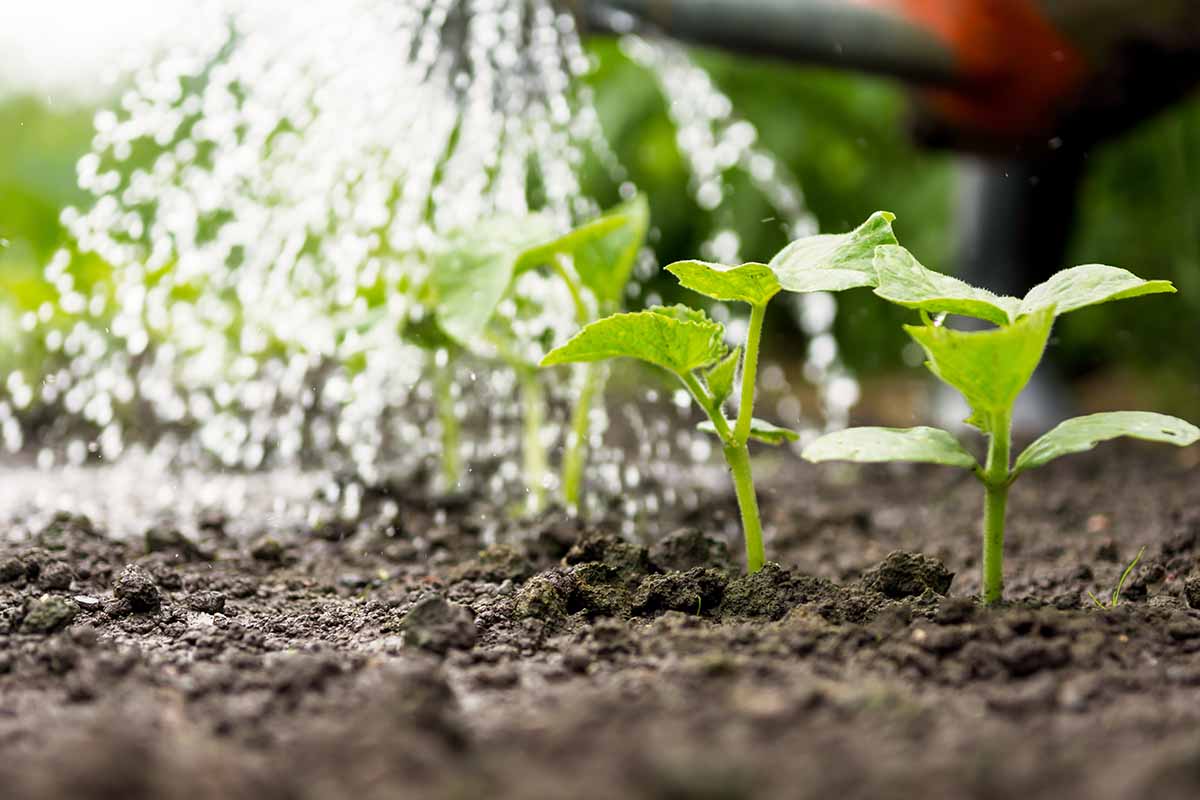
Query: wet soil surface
{"x": 413, "y": 656}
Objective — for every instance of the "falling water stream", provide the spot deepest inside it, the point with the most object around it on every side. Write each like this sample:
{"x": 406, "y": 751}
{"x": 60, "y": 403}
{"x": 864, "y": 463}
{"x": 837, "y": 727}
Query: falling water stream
{"x": 264, "y": 197}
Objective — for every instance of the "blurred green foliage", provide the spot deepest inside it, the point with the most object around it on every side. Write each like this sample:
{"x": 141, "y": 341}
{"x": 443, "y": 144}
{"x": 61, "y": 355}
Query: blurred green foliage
{"x": 39, "y": 146}
{"x": 844, "y": 138}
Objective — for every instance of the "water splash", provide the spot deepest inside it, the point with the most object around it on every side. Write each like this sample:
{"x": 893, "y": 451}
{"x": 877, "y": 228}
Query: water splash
{"x": 265, "y": 200}
{"x": 288, "y": 172}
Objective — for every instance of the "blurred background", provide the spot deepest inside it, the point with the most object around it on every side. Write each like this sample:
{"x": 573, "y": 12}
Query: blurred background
{"x": 845, "y": 138}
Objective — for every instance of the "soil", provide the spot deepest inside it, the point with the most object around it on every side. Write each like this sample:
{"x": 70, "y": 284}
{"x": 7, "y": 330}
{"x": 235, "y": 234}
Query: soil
{"x": 420, "y": 658}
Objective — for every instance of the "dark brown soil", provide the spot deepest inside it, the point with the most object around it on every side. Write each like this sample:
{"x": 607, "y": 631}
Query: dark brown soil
{"x": 408, "y": 660}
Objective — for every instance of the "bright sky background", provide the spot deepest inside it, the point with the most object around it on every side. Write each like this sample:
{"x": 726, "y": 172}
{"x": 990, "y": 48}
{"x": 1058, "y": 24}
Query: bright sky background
{"x": 69, "y": 50}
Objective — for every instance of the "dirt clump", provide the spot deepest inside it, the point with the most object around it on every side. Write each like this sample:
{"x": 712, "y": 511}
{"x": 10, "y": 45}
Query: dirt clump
{"x": 136, "y": 590}
{"x": 902, "y": 575}
{"x": 437, "y": 625}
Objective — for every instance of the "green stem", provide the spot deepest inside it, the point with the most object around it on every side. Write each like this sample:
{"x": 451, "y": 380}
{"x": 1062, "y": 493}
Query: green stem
{"x": 995, "y": 501}
{"x": 577, "y": 440}
{"x": 741, "y": 433}
{"x": 561, "y": 267}
{"x": 705, "y": 401}
{"x": 448, "y": 422}
{"x": 575, "y": 456}
{"x": 738, "y": 458}
{"x": 533, "y": 454}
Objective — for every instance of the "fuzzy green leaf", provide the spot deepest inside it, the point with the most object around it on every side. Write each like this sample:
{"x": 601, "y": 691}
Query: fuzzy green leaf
{"x": 990, "y": 367}
{"x": 834, "y": 262}
{"x": 603, "y": 250}
{"x": 472, "y": 276}
{"x": 1089, "y": 285}
{"x": 870, "y": 445}
{"x": 751, "y": 283}
{"x": 720, "y": 377}
{"x": 905, "y": 281}
{"x": 676, "y": 338}
{"x": 1083, "y": 433}
{"x": 760, "y": 430}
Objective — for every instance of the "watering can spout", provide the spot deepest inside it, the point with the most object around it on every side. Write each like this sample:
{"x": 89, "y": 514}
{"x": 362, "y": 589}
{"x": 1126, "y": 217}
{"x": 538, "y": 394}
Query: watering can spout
{"x": 835, "y": 33}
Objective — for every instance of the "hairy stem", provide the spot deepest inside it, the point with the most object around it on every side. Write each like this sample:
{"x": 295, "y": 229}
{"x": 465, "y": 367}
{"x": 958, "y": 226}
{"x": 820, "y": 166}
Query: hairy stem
{"x": 708, "y": 405}
{"x": 448, "y": 422}
{"x": 577, "y": 440}
{"x": 995, "y": 501}
{"x": 738, "y": 458}
{"x": 533, "y": 454}
{"x": 741, "y": 433}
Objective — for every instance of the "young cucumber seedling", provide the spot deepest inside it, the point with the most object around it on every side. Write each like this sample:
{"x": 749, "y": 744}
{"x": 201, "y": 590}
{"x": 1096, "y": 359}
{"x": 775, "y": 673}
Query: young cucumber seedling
{"x": 473, "y": 279}
{"x": 990, "y": 368}
{"x": 686, "y": 342}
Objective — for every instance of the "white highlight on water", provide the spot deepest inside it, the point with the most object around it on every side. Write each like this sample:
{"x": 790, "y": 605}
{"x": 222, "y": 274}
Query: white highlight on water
{"x": 268, "y": 194}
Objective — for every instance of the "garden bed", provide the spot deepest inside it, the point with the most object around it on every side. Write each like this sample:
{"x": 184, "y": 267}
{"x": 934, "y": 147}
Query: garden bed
{"x": 247, "y": 658}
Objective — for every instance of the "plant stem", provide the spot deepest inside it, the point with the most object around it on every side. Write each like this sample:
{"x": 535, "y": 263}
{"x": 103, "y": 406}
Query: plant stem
{"x": 563, "y": 269}
{"x": 448, "y": 421}
{"x": 738, "y": 458}
{"x": 533, "y": 454}
{"x": 741, "y": 433}
{"x": 577, "y": 440}
{"x": 575, "y": 456}
{"x": 705, "y": 401}
{"x": 995, "y": 501}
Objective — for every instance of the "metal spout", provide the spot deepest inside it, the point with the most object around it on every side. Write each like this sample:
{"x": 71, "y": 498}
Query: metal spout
{"x": 832, "y": 33}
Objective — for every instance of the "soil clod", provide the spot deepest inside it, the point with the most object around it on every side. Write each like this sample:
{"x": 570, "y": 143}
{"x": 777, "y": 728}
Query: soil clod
{"x": 1191, "y": 591}
{"x": 268, "y": 549}
{"x": 135, "y": 587}
{"x": 49, "y": 613}
{"x": 697, "y": 591}
{"x": 437, "y": 625}
{"x": 688, "y": 548}
{"x": 167, "y": 539}
{"x": 206, "y": 602}
{"x": 902, "y": 575}
{"x": 55, "y": 576}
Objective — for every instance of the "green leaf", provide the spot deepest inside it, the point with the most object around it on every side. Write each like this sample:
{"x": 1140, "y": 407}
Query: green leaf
{"x": 833, "y": 262}
{"x": 870, "y": 445}
{"x": 604, "y": 250}
{"x": 748, "y": 283}
{"x": 1083, "y": 433}
{"x": 904, "y": 281}
{"x": 760, "y": 430}
{"x": 425, "y": 333}
{"x": 720, "y": 377}
{"x": 990, "y": 367}
{"x": 1089, "y": 285}
{"x": 676, "y": 338}
{"x": 473, "y": 274}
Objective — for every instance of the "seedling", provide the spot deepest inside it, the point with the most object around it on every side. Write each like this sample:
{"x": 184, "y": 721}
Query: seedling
{"x": 687, "y": 343}
{"x": 475, "y": 275}
{"x": 991, "y": 368}
{"x": 1115, "y": 600}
